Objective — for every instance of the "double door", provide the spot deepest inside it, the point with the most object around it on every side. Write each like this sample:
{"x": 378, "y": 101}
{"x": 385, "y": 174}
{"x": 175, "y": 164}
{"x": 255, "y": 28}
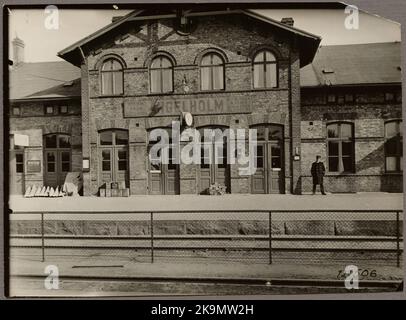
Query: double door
{"x": 268, "y": 177}
{"x": 164, "y": 174}
{"x": 214, "y": 167}
{"x": 114, "y": 164}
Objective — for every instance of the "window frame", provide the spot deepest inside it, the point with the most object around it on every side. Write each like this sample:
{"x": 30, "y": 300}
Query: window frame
{"x": 22, "y": 163}
{"x": 113, "y": 137}
{"x": 113, "y": 72}
{"x": 161, "y": 71}
{"x": 16, "y": 108}
{"x": 340, "y": 141}
{"x": 265, "y": 63}
{"x": 211, "y": 68}
{"x": 399, "y": 146}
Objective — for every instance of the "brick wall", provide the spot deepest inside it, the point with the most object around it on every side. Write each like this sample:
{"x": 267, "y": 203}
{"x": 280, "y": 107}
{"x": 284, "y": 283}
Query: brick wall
{"x": 368, "y": 114}
{"x": 236, "y": 38}
{"x": 35, "y": 124}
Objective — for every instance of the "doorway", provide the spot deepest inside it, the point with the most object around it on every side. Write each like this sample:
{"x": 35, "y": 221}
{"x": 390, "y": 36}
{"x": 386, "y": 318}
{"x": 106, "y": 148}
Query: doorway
{"x": 214, "y": 166}
{"x": 113, "y": 150}
{"x": 269, "y": 175}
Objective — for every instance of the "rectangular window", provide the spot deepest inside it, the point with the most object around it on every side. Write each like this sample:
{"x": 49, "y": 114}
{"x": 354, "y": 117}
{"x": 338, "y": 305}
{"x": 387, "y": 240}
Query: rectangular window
{"x": 16, "y": 111}
{"x": 393, "y": 146}
{"x": 349, "y": 98}
{"x": 270, "y": 75}
{"x": 259, "y": 76}
{"x": 19, "y": 162}
{"x": 65, "y": 161}
{"x": 51, "y": 160}
{"x": 106, "y": 160}
{"x": 276, "y": 156}
{"x": 331, "y": 98}
{"x": 122, "y": 160}
{"x": 50, "y": 141}
{"x": 106, "y": 138}
{"x": 260, "y": 156}
{"x": 166, "y": 80}
{"x": 107, "y": 83}
{"x": 63, "y": 109}
{"x": 117, "y": 83}
{"x": 205, "y": 78}
{"x": 206, "y": 154}
{"x": 340, "y": 146}
{"x": 156, "y": 81}
{"x": 218, "y": 81}
{"x": 389, "y": 96}
{"x": 49, "y": 110}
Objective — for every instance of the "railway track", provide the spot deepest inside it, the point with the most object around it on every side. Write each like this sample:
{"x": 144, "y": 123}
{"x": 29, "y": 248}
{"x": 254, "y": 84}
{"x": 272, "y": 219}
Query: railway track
{"x": 130, "y": 286}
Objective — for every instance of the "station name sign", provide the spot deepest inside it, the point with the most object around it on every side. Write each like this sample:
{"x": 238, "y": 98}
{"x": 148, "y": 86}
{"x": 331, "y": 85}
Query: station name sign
{"x": 167, "y": 106}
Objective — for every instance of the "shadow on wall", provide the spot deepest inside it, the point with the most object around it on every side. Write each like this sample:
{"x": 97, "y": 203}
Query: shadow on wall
{"x": 376, "y": 159}
{"x": 369, "y": 176}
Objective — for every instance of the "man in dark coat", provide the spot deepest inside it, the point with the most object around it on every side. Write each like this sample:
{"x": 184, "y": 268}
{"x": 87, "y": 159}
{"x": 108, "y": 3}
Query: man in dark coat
{"x": 318, "y": 170}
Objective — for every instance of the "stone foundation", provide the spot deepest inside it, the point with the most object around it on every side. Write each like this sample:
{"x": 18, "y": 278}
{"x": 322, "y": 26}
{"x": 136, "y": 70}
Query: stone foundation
{"x": 208, "y": 227}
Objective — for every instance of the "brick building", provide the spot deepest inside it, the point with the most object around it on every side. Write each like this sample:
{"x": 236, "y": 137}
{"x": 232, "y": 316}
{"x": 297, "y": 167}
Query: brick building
{"x": 229, "y": 69}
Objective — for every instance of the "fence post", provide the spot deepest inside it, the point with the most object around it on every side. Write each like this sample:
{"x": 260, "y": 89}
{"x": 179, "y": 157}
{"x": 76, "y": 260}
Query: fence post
{"x": 270, "y": 236}
{"x": 42, "y": 237}
{"x": 152, "y": 237}
{"x": 397, "y": 240}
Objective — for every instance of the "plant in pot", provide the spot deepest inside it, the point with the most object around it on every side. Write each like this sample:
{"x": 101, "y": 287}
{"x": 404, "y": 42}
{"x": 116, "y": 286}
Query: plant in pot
{"x": 217, "y": 189}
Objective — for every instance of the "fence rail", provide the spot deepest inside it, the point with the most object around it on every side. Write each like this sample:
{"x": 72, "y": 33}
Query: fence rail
{"x": 269, "y": 241}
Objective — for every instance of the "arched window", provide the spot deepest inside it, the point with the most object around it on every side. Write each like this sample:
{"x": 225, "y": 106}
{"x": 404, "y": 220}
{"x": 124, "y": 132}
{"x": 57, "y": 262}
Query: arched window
{"x": 212, "y": 72}
{"x": 111, "y": 77}
{"x": 393, "y": 146}
{"x": 340, "y": 147}
{"x": 161, "y": 75}
{"x": 265, "y": 70}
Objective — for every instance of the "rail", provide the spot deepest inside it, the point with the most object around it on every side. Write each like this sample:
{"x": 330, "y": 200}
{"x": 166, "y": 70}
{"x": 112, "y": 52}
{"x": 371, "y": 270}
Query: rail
{"x": 265, "y": 242}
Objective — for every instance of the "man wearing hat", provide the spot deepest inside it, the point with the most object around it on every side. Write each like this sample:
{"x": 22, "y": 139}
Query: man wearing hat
{"x": 318, "y": 170}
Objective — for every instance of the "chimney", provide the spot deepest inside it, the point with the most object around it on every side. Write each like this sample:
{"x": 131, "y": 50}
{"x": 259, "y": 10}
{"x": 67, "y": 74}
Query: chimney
{"x": 288, "y": 21}
{"x": 18, "y": 51}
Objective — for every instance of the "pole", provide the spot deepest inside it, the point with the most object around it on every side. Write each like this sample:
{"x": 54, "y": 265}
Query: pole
{"x": 397, "y": 240}
{"x": 270, "y": 236}
{"x": 42, "y": 238}
{"x": 152, "y": 237}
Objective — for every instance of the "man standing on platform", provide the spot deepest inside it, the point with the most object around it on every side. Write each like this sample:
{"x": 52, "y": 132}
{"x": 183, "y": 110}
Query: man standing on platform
{"x": 318, "y": 170}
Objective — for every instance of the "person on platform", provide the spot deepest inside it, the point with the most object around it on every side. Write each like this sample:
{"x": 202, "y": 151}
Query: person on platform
{"x": 318, "y": 171}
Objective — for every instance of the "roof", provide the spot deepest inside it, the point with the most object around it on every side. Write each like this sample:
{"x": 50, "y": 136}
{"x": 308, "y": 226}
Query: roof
{"x": 308, "y": 42}
{"x": 354, "y": 64}
{"x": 44, "y": 80}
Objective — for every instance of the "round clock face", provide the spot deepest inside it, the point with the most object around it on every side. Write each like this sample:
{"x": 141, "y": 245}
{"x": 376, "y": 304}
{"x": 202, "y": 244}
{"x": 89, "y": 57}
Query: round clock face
{"x": 188, "y": 118}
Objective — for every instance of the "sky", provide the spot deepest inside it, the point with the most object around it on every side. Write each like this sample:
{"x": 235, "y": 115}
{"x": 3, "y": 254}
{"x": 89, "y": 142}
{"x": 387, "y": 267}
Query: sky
{"x": 42, "y": 44}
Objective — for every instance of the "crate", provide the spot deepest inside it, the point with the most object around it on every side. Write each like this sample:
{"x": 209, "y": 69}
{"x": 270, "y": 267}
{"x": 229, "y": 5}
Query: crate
{"x": 115, "y": 193}
{"x": 125, "y": 192}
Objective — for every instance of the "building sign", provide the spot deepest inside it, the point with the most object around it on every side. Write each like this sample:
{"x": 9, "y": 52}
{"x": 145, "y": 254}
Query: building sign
{"x": 167, "y": 106}
{"x": 21, "y": 140}
{"x": 33, "y": 166}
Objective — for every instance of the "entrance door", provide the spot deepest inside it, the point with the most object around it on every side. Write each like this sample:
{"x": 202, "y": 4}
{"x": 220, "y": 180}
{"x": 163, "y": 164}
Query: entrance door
{"x": 113, "y": 158}
{"x": 268, "y": 177}
{"x": 164, "y": 175}
{"x": 57, "y": 159}
{"x": 213, "y": 167}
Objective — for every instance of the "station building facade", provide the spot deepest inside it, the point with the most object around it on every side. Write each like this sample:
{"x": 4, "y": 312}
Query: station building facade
{"x": 229, "y": 70}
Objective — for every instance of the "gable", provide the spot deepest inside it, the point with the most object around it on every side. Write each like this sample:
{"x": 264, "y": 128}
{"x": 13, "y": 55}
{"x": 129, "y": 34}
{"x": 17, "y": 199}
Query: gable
{"x": 307, "y": 43}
